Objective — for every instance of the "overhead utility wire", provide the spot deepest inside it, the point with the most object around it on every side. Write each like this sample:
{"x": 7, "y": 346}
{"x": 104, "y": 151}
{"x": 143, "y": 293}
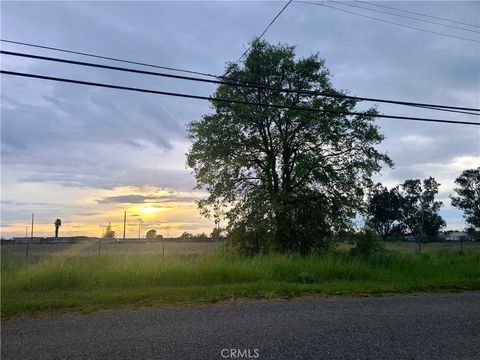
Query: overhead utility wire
{"x": 417, "y": 13}
{"x": 387, "y": 21}
{"x": 205, "y": 74}
{"x": 107, "y": 58}
{"x": 232, "y": 101}
{"x": 453, "y": 111}
{"x": 264, "y": 31}
{"x": 404, "y": 16}
{"x": 231, "y": 83}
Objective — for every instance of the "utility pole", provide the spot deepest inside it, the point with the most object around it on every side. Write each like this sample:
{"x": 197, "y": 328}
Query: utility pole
{"x": 31, "y": 236}
{"x": 163, "y": 242}
{"x": 124, "y": 224}
{"x": 139, "y": 225}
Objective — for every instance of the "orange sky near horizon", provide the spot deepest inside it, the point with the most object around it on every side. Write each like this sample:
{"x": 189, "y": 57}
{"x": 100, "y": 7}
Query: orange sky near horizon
{"x": 168, "y": 212}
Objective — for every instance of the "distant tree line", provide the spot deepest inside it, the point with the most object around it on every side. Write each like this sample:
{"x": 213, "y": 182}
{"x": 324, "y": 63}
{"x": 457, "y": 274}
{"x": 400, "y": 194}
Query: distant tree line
{"x": 186, "y": 236}
{"x": 217, "y": 234}
{"x": 407, "y": 208}
{"x": 410, "y": 208}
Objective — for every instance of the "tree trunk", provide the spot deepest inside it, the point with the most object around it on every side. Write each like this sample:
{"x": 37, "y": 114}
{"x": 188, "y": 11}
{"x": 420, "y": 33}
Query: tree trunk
{"x": 56, "y": 231}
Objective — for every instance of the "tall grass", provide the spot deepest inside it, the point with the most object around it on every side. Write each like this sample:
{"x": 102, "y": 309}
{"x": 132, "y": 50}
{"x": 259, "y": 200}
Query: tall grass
{"x": 89, "y": 282}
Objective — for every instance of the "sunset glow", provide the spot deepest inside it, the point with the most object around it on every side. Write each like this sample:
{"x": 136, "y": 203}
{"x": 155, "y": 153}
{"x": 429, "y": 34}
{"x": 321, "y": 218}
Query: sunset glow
{"x": 150, "y": 210}
{"x": 86, "y": 155}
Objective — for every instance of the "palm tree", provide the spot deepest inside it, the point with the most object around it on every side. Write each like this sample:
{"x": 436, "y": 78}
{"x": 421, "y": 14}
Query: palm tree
{"x": 57, "y": 224}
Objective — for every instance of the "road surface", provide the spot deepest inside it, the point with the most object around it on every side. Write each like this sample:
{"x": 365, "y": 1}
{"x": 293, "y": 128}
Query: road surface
{"x": 430, "y": 326}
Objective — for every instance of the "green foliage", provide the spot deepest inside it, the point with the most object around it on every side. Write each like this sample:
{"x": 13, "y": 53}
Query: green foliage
{"x": 151, "y": 234}
{"x": 473, "y": 233}
{"x": 468, "y": 196}
{"x": 419, "y": 210}
{"x": 249, "y": 242}
{"x": 305, "y": 278}
{"x": 201, "y": 236}
{"x": 186, "y": 235}
{"x": 384, "y": 210}
{"x": 410, "y": 206}
{"x": 366, "y": 243}
{"x": 91, "y": 282}
{"x": 288, "y": 178}
{"x": 217, "y": 234}
{"x": 109, "y": 233}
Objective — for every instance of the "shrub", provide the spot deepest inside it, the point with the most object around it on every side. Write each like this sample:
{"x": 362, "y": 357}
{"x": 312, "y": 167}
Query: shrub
{"x": 305, "y": 278}
{"x": 366, "y": 243}
{"x": 249, "y": 242}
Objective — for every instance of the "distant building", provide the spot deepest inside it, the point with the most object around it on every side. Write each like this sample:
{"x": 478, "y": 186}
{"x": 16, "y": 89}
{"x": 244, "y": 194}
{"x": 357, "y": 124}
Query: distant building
{"x": 457, "y": 236}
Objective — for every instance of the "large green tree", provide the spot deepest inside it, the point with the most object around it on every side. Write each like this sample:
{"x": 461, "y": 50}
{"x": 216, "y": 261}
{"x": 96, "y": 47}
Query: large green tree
{"x": 289, "y": 177}
{"x": 384, "y": 210}
{"x": 419, "y": 209}
{"x": 467, "y": 198}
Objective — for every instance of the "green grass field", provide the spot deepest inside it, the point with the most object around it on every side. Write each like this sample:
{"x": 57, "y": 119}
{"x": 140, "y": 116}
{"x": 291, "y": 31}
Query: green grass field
{"x": 87, "y": 282}
{"x": 433, "y": 248}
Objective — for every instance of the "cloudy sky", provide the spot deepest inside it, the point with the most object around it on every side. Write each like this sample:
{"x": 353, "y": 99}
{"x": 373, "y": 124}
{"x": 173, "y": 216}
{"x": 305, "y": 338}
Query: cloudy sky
{"x": 86, "y": 154}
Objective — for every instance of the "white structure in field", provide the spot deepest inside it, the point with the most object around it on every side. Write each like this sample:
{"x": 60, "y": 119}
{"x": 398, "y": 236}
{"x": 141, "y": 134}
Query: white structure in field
{"x": 457, "y": 236}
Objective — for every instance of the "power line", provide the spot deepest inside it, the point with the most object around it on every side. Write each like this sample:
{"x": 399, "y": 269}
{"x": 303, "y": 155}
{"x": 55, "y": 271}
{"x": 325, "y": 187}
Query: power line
{"x": 404, "y": 16}
{"x": 231, "y": 101}
{"x": 417, "y": 13}
{"x": 453, "y": 111}
{"x": 230, "y": 83}
{"x": 264, "y": 31}
{"x": 107, "y": 58}
{"x": 253, "y": 84}
{"x": 387, "y": 21}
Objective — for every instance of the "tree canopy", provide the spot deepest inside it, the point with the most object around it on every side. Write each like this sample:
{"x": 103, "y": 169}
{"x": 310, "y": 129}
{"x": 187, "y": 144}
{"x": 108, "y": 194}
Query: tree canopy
{"x": 384, "y": 210}
{"x": 151, "y": 234}
{"x": 467, "y": 196}
{"x": 109, "y": 232}
{"x": 288, "y": 177}
{"x": 410, "y": 206}
{"x": 419, "y": 210}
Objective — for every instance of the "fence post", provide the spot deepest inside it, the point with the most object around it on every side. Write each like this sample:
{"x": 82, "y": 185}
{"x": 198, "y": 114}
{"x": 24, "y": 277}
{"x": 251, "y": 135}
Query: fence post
{"x": 31, "y": 236}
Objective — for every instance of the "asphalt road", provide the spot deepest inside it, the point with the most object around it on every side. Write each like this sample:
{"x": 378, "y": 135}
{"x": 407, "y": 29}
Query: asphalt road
{"x": 432, "y": 326}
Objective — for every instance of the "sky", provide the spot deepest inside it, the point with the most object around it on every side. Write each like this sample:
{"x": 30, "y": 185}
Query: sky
{"x": 86, "y": 155}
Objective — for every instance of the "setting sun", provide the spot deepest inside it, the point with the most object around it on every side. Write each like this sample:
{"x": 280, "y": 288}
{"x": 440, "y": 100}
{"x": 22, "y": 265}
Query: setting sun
{"x": 150, "y": 209}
